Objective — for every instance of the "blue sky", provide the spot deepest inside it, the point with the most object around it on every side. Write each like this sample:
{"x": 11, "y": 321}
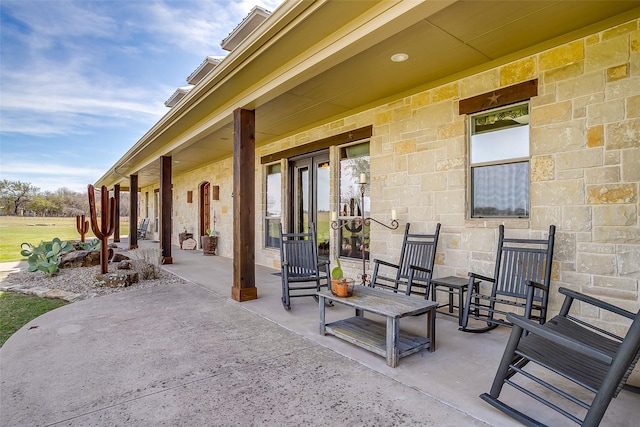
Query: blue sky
{"x": 82, "y": 81}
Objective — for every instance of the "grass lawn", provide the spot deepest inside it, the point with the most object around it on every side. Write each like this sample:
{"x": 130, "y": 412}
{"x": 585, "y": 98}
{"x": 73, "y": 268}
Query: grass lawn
{"x": 15, "y": 230}
{"x": 16, "y": 310}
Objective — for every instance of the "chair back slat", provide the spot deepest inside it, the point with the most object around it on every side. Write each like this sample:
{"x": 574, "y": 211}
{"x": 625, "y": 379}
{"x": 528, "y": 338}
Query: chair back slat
{"x": 303, "y": 274}
{"x": 419, "y": 250}
{"x": 298, "y": 251}
{"x": 419, "y": 253}
{"x": 519, "y": 260}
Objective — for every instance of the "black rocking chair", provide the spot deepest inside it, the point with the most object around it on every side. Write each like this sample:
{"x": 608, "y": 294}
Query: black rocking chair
{"x": 142, "y": 230}
{"x": 591, "y": 358}
{"x": 520, "y": 265}
{"x": 412, "y": 274}
{"x": 300, "y": 268}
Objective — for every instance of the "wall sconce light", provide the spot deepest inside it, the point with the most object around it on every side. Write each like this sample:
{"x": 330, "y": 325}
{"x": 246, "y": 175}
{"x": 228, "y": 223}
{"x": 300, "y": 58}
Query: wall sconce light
{"x": 215, "y": 192}
{"x": 189, "y": 196}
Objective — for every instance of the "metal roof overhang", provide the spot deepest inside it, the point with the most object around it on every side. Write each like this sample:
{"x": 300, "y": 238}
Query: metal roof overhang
{"x": 314, "y": 61}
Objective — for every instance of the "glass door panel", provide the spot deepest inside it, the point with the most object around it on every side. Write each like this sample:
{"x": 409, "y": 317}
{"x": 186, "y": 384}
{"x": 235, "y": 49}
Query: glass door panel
{"x": 310, "y": 198}
{"x": 301, "y": 199}
{"x": 323, "y": 217}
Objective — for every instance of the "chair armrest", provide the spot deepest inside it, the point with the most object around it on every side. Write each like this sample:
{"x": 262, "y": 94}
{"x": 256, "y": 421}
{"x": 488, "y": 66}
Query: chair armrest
{"x": 323, "y": 264}
{"x": 531, "y": 287}
{"x": 388, "y": 264}
{"x": 481, "y": 277}
{"x": 537, "y": 285}
{"x": 596, "y": 302}
{"x": 557, "y": 338}
{"x": 412, "y": 270}
{"x": 323, "y": 267}
{"x": 417, "y": 267}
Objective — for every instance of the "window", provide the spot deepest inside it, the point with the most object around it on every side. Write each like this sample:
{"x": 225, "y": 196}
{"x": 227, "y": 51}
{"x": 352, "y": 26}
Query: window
{"x": 499, "y": 151}
{"x": 273, "y": 203}
{"x": 354, "y": 160}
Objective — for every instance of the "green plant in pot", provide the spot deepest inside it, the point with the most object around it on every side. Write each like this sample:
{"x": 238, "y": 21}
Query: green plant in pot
{"x": 340, "y": 286}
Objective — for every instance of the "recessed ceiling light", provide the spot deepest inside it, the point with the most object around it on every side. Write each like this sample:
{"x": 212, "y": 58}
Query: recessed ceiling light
{"x": 399, "y": 57}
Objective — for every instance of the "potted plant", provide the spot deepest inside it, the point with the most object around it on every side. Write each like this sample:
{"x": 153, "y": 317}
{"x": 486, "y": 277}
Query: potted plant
{"x": 340, "y": 286}
{"x": 209, "y": 242}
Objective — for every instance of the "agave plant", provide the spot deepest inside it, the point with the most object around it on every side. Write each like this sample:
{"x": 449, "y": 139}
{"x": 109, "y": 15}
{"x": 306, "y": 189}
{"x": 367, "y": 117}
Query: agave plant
{"x": 46, "y": 256}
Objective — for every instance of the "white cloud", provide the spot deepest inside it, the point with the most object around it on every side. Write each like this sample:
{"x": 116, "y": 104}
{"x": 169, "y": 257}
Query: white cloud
{"x": 58, "y": 80}
{"x": 48, "y": 170}
{"x": 200, "y": 27}
{"x": 50, "y": 177}
{"x": 72, "y": 68}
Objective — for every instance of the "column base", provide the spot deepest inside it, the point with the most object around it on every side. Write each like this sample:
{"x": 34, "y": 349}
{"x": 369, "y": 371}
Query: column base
{"x": 244, "y": 294}
{"x": 166, "y": 260}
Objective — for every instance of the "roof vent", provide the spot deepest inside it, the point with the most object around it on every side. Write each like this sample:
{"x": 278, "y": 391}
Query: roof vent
{"x": 252, "y": 21}
{"x": 177, "y": 95}
{"x": 209, "y": 63}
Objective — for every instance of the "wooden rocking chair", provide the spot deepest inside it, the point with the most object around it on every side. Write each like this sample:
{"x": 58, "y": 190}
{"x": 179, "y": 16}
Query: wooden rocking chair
{"x": 300, "y": 268}
{"x": 589, "y": 357}
{"x": 412, "y": 274}
{"x": 520, "y": 263}
{"x": 142, "y": 230}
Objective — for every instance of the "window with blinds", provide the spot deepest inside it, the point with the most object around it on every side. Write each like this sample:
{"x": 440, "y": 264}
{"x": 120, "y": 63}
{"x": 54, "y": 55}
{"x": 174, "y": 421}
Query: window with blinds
{"x": 499, "y": 161}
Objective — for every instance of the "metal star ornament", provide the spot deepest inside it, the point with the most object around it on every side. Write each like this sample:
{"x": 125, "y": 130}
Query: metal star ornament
{"x": 493, "y": 99}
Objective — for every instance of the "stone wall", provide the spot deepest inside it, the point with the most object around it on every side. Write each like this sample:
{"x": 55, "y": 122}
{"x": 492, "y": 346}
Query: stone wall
{"x": 187, "y": 215}
{"x": 585, "y": 169}
{"x": 585, "y": 166}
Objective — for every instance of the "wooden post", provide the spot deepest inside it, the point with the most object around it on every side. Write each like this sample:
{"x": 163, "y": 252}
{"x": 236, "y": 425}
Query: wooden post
{"x": 165, "y": 210}
{"x": 133, "y": 211}
{"x": 244, "y": 144}
{"x": 116, "y": 195}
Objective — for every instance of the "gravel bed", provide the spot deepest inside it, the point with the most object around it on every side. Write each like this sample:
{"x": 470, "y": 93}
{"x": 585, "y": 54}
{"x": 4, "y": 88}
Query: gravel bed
{"x": 80, "y": 280}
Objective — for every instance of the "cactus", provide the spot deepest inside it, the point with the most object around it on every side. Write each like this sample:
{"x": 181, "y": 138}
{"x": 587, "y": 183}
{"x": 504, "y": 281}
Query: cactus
{"x": 336, "y": 273}
{"x": 46, "y": 256}
{"x": 107, "y": 222}
{"x": 82, "y": 226}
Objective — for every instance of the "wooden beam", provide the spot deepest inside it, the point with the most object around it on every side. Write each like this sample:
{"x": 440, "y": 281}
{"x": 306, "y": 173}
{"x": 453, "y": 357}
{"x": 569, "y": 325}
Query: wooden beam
{"x": 133, "y": 211}
{"x": 322, "y": 144}
{"x": 499, "y": 97}
{"x": 116, "y": 196}
{"x": 165, "y": 210}
{"x": 244, "y": 152}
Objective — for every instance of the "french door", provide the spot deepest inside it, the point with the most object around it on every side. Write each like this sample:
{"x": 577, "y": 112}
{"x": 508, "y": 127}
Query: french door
{"x": 310, "y": 197}
{"x": 205, "y": 209}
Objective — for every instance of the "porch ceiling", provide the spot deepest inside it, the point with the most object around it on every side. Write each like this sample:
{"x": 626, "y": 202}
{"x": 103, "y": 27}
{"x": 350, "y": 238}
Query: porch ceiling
{"x": 318, "y": 61}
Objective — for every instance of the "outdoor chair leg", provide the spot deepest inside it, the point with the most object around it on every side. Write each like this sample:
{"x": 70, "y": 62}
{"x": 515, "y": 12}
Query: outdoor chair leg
{"x": 467, "y": 307}
{"x": 286, "y": 301}
{"x": 504, "y": 372}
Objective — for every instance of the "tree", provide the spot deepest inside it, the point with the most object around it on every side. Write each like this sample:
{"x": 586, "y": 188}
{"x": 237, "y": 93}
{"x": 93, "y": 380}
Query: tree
{"x": 41, "y": 205}
{"x": 16, "y": 194}
{"x": 72, "y": 203}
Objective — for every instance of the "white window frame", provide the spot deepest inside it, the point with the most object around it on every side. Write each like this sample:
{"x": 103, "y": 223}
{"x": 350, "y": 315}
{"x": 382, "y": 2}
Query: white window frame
{"x": 270, "y": 217}
{"x": 502, "y": 153}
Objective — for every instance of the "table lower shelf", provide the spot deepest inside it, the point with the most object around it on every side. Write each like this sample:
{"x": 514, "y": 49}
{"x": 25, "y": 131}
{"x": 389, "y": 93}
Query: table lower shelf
{"x": 372, "y": 336}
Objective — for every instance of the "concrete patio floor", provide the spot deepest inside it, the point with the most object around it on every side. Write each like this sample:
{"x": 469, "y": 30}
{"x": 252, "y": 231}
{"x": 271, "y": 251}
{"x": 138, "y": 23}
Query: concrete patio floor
{"x": 189, "y": 355}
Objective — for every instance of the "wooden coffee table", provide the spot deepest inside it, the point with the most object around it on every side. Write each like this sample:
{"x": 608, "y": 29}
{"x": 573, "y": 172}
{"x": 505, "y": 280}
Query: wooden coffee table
{"x": 385, "y": 340}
